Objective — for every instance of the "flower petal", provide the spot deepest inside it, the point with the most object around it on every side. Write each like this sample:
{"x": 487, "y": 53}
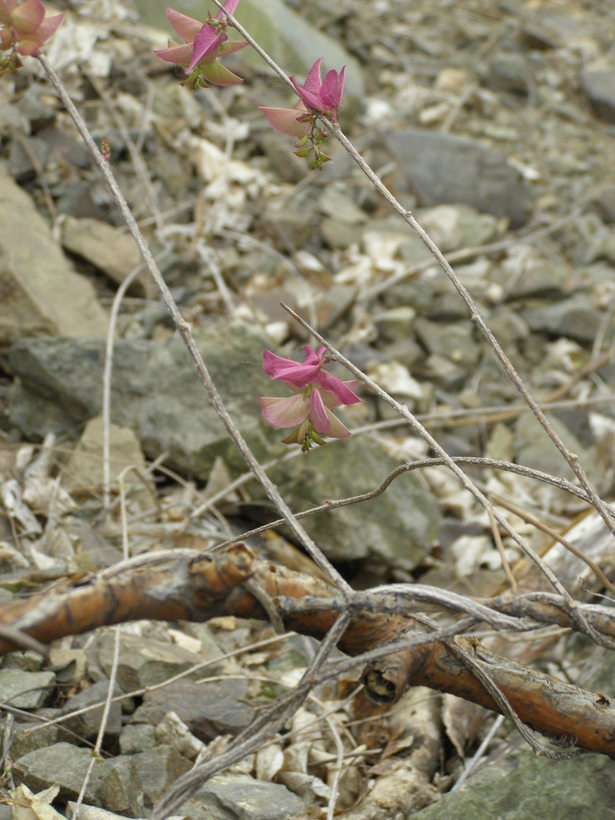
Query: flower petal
{"x": 180, "y": 55}
{"x": 313, "y": 82}
{"x": 231, "y": 46}
{"x": 7, "y": 7}
{"x": 47, "y": 27}
{"x": 319, "y": 413}
{"x": 336, "y": 428}
{"x": 186, "y": 27}
{"x": 205, "y": 43}
{"x": 285, "y": 412}
{"x": 288, "y": 370}
{"x": 284, "y": 121}
{"x": 332, "y": 90}
{"x": 342, "y": 390}
{"x": 229, "y": 8}
{"x": 28, "y": 16}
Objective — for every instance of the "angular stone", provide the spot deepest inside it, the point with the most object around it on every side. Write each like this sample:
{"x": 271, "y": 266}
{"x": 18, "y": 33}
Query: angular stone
{"x": 26, "y": 690}
{"x": 206, "y": 709}
{"x": 444, "y": 169}
{"x": 534, "y": 448}
{"x": 120, "y": 788}
{"x": 242, "y": 797}
{"x": 84, "y": 470}
{"x": 458, "y": 226}
{"x": 455, "y": 341}
{"x": 108, "y": 248}
{"x": 157, "y": 769}
{"x": 395, "y": 324}
{"x": 87, "y": 723}
{"x": 136, "y": 738}
{"x": 63, "y": 765}
{"x": 599, "y": 86}
{"x": 39, "y": 290}
{"x": 397, "y": 527}
{"x": 28, "y": 737}
{"x": 143, "y": 661}
{"x": 155, "y": 391}
{"x": 575, "y": 318}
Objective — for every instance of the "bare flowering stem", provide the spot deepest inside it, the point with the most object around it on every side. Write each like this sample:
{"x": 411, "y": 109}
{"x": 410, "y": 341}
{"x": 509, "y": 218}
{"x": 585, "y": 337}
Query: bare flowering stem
{"x": 475, "y": 315}
{"x": 465, "y": 480}
{"x": 185, "y": 332}
{"x": 571, "y": 458}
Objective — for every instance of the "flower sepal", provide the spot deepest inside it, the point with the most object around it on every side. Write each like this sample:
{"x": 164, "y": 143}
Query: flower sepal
{"x": 305, "y": 435}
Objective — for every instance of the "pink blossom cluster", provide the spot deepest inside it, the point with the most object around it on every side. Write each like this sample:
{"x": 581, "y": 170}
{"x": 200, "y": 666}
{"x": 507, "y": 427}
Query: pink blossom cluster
{"x": 316, "y": 394}
{"x": 204, "y": 43}
{"x": 25, "y": 27}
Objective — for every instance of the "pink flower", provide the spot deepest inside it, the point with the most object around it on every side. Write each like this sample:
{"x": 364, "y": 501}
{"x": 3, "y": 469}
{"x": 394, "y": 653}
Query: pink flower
{"x": 25, "y": 27}
{"x": 289, "y": 121}
{"x": 316, "y": 394}
{"x": 324, "y": 97}
{"x": 203, "y": 44}
{"x": 310, "y": 371}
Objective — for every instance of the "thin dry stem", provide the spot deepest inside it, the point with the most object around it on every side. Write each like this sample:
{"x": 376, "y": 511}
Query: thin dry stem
{"x": 184, "y": 330}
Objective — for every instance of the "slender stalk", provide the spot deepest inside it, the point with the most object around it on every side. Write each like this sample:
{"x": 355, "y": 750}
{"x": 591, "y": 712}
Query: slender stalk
{"x": 185, "y": 332}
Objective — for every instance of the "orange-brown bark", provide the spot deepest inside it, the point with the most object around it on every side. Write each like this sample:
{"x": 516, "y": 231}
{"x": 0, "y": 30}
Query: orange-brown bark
{"x": 199, "y": 589}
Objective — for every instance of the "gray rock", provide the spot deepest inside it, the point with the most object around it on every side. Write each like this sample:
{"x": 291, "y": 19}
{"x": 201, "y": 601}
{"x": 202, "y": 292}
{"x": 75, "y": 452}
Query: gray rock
{"x": 525, "y": 785}
{"x": 576, "y": 317}
{"x": 155, "y": 392}
{"x": 28, "y": 737}
{"x": 63, "y": 765}
{"x": 601, "y": 199}
{"x": 87, "y": 723}
{"x": 533, "y": 276}
{"x": 333, "y": 304}
{"x": 334, "y": 202}
{"x": 397, "y": 527}
{"x": 395, "y": 324}
{"x": 137, "y": 737}
{"x": 444, "y": 168}
{"x": 110, "y": 249}
{"x": 84, "y": 469}
{"x": 455, "y": 341}
{"x": 509, "y": 72}
{"x": 338, "y": 233}
{"x": 599, "y": 86}
{"x": 120, "y": 788}
{"x": 157, "y": 769}
{"x": 285, "y": 35}
{"x": 534, "y": 448}
{"x": 26, "y": 690}
{"x": 207, "y": 709}
{"x": 27, "y": 661}
{"x": 444, "y": 372}
{"x": 143, "y": 661}
{"x": 27, "y": 157}
{"x": 114, "y": 783}
{"x": 41, "y": 293}
{"x": 244, "y": 798}
{"x": 458, "y": 226}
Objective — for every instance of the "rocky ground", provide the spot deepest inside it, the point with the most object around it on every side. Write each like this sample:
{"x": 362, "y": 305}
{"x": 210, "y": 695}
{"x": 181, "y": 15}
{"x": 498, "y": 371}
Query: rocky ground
{"x": 494, "y": 123}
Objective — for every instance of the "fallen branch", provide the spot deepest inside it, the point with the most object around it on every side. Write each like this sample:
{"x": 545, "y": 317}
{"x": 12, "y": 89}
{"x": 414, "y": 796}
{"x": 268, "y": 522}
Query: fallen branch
{"x": 401, "y": 651}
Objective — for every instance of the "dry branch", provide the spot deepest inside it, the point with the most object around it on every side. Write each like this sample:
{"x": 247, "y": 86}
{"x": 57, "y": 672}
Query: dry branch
{"x": 199, "y": 588}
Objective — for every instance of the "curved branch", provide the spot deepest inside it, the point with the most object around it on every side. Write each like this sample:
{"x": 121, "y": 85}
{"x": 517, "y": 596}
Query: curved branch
{"x": 400, "y": 651}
